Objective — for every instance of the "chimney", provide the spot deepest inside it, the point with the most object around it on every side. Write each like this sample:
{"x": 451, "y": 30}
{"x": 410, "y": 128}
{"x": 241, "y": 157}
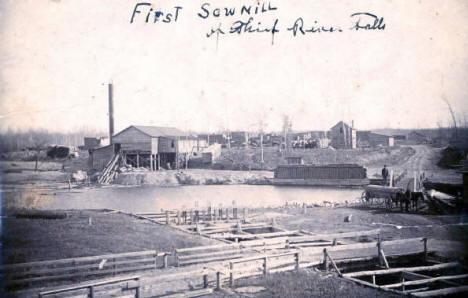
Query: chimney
{"x": 111, "y": 114}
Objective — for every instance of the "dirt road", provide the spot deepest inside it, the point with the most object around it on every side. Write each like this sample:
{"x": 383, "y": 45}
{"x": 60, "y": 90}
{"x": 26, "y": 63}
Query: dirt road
{"x": 424, "y": 161}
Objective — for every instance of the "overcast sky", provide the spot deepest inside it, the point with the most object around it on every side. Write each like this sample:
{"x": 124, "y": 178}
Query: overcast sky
{"x": 56, "y": 58}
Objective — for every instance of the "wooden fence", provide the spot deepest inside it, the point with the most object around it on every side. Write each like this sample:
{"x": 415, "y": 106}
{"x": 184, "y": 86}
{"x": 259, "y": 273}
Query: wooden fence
{"x": 16, "y": 275}
{"x": 220, "y": 252}
{"x": 183, "y": 217}
{"x": 265, "y": 259}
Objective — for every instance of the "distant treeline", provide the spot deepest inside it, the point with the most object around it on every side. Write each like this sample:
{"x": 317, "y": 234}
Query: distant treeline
{"x": 32, "y": 139}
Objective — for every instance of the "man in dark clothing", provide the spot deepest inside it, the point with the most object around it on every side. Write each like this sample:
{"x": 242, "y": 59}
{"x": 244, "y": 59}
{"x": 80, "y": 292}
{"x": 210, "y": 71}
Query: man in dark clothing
{"x": 385, "y": 174}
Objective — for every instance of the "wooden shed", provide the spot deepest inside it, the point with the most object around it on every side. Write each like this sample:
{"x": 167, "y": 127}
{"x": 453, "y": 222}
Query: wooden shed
{"x": 150, "y": 146}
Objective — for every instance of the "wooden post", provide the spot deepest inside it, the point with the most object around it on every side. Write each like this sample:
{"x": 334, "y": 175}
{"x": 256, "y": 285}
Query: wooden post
{"x": 91, "y": 292}
{"x": 218, "y": 280}
{"x": 373, "y": 279}
{"x": 265, "y": 266}
{"x": 384, "y": 259}
{"x": 138, "y": 160}
{"x": 231, "y": 274}
{"x": 165, "y": 260}
{"x": 176, "y": 256}
{"x": 151, "y": 162}
{"x": 402, "y": 280}
{"x": 155, "y": 260}
{"x": 209, "y": 213}
{"x": 425, "y": 249}
{"x": 379, "y": 244}
{"x": 167, "y": 217}
{"x": 296, "y": 259}
{"x": 137, "y": 291}
{"x": 178, "y": 217}
{"x": 205, "y": 281}
{"x": 158, "y": 161}
{"x": 227, "y": 213}
{"x": 197, "y": 215}
{"x": 325, "y": 260}
{"x": 220, "y": 213}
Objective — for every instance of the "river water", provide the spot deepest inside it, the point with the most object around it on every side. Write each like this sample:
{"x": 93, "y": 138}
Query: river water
{"x": 140, "y": 199}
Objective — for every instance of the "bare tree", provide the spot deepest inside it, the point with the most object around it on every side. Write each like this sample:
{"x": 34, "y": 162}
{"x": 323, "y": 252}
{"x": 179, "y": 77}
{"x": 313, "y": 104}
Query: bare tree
{"x": 452, "y": 113}
{"x": 38, "y": 143}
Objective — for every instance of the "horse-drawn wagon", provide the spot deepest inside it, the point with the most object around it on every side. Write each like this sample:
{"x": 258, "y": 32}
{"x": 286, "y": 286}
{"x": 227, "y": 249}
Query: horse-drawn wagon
{"x": 376, "y": 195}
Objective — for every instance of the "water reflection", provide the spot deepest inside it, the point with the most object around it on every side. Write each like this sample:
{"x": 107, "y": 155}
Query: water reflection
{"x": 151, "y": 198}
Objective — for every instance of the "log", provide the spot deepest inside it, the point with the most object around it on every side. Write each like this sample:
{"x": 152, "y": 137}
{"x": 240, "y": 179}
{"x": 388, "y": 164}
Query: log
{"x": 427, "y": 280}
{"x": 441, "y": 292}
{"x": 397, "y": 270}
{"x": 333, "y": 236}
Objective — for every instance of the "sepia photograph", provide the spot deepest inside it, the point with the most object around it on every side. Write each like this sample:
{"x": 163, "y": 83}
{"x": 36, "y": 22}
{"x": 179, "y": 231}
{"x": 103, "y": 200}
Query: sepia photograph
{"x": 233, "y": 148}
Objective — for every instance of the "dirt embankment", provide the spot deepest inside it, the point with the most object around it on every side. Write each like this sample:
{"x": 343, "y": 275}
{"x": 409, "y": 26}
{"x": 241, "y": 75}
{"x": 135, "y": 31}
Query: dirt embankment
{"x": 244, "y": 159}
{"x": 193, "y": 177}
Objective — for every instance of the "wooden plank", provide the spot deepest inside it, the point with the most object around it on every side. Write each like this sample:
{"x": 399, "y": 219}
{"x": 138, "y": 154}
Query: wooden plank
{"x": 86, "y": 285}
{"x": 397, "y": 270}
{"x": 441, "y": 292}
{"x": 74, "y": 268}
{"x": 189, "y": 294}
{"x": 418, "y": 276}
{"x": 207, "y": 247}
{"x": 368, "y": 284}
{"x": 333, "y": 236}
{"x": 260, "y": 257}
{"x": 216, "y": 253}
{"x": 80, "y": 259}
{"x": 181, "y": 275}
{"x": 67, "y": 276}
{"x": 253, "y": 236}
{"x": 207, "y": 260}
{"x": 427, "y": 280}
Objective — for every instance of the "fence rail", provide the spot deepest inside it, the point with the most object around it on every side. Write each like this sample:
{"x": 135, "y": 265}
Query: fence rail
{"x": 79, "y": 268}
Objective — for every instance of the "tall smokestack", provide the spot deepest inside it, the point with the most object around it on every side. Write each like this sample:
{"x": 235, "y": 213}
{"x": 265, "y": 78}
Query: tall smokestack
{"x": 111, "y": 114}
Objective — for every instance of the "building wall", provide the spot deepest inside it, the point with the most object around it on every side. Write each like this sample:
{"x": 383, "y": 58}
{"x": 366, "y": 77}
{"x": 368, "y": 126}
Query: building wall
{"x": 132, "y": 139}
{"x": 343, "y": 137}
{"x": 381, "y": 140}
{"x": 101, "y": 156}
{"x": 167, "y": 145}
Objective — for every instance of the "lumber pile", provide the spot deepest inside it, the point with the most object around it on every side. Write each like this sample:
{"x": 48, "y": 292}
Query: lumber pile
{"x": 110, "y": 171}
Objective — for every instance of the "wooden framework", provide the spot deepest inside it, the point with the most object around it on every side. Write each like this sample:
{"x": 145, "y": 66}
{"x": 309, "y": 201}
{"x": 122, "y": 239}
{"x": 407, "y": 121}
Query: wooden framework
{"x": 421, "y": 285}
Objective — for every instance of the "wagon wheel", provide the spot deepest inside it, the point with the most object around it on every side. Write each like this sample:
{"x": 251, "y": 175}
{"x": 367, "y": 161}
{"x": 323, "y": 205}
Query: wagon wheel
{"x": 365, "y": 198}
{"x": 388, "y": 203}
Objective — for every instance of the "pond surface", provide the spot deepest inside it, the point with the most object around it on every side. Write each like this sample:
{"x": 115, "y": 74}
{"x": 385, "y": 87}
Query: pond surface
{"x": 142, "y": 199}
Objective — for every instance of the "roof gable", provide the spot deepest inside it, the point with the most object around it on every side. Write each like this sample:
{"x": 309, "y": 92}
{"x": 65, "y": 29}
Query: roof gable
{"x": 158, "y": 131}
{"x": 155, "y": 131}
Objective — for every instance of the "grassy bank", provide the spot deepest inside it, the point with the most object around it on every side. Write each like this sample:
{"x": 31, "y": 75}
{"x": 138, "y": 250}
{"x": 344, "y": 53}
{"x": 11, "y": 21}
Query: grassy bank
{"x": 193, "y": 177}
{"x": 244, "y": 159}
{"x": 84, "y": 233}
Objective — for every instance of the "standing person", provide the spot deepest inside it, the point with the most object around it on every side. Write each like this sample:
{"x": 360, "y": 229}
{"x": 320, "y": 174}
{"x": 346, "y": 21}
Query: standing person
{"x": 385, "y": 175}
